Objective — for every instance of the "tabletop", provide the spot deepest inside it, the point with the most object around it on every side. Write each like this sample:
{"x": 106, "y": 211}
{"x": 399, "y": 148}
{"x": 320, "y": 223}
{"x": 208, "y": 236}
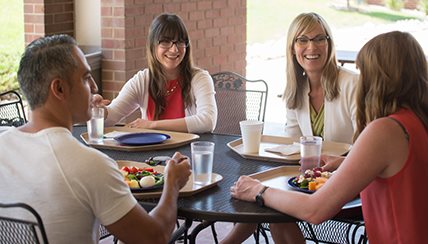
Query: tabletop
{"x": 216, "y": 204}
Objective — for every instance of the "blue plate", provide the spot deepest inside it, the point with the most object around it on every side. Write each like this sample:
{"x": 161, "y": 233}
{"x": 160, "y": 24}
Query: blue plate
{"x": 144, "y": 138}
{"x": 296, "y": 187}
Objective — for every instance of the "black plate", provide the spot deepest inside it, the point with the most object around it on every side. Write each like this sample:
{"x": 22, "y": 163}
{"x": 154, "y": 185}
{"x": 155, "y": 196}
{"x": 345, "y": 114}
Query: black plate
{"x": 155, "y": 187}
{"x": 144, "y": 138}
{"x": 297, "y": 188}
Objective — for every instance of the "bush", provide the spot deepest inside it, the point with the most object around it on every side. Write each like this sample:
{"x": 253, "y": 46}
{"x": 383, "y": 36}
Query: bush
{"x": 8, "y": 71}
{"x": 424, "y": 4}
{"x": 395, "y": 4}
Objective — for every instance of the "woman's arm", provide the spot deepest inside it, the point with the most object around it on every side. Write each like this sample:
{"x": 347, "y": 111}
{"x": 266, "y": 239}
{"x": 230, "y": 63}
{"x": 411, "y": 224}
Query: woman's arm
{"x": 202, "y": 115}
{"x": 292, "y": 128}
{"x": 369, "y": 158}
{"x": 165, "y": 124}
{"x": 133, "y": 94}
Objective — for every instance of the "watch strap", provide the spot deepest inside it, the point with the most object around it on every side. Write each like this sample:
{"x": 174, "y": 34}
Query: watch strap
{"x": 259, "y": 198}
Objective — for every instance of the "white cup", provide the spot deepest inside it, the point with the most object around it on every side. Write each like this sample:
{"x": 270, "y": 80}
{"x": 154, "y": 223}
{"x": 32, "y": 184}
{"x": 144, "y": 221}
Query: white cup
{"x": 251, "y": 132}
{"x": 310, "y": 152}
{"x": 202, "y": 161}
{"x": 96, "y": 125}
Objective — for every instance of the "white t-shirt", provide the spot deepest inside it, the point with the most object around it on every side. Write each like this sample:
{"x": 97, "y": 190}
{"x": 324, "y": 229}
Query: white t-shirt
{"x": 74, "y": 188}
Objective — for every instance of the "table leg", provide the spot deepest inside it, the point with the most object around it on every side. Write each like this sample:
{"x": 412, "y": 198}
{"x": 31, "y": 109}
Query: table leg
{"x": 182, "y": 230}
{"x": 204, "y": 224}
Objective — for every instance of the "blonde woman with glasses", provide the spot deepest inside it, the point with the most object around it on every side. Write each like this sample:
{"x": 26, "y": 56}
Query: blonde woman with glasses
{"x": 172, "y": 94}
{"x": 320, "y": 101}
{"x": 320, "y": 95}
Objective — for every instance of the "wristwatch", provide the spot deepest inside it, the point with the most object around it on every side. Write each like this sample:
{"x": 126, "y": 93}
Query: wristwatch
{"x": 259, "y": 198}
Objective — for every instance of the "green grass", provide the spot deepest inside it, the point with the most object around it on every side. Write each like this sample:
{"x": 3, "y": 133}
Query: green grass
{"x": 11, "y": 43}
{"x": 270, "y": 19}
{"x": 12, "y": 26}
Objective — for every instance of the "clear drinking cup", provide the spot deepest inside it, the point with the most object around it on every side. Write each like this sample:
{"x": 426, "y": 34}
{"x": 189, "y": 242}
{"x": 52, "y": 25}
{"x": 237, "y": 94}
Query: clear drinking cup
{"x": 310, "y": 152}
{"x": 202, "y": 161}
{"x": 96, "y": 125}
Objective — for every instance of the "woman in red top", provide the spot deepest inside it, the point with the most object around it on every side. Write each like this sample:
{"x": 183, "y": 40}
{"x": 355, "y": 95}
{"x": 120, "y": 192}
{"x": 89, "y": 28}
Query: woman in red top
{"x": 171, "y": 93}
{"x": 388, "y": 163}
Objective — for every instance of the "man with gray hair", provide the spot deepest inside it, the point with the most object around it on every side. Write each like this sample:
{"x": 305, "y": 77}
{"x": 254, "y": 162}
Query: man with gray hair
{"x": 74, "y": 188}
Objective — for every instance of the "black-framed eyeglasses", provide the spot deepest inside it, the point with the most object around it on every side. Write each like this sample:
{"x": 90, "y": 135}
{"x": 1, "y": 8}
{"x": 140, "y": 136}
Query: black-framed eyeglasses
{"x": 167, "y": 44}
{"x": 321, "y": 40}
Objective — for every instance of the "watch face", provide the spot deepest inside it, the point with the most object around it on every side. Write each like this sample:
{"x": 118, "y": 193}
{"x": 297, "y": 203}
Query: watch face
{"x": 260, "y": 201}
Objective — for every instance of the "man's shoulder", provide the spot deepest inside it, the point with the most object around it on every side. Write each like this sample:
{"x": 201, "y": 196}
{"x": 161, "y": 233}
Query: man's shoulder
{"x": 67, "y": 148}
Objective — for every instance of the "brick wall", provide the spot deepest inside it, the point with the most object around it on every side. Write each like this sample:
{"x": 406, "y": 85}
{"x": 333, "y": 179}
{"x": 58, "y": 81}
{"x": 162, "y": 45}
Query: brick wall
{"x": 47, "y": 17}
{"x": 217, "y": 31}
{"x": 411, "y": 4}
{"x": 376, "y": 2}
{"x": 408, "y": 4}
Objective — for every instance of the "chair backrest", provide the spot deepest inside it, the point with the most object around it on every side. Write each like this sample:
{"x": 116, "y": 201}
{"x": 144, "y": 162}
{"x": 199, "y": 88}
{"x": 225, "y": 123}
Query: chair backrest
{"x": 238, "y": 99}
{"x": 11, "y": 109}
{"x": 335, "y": 231}
{"x": 16, "y": 230}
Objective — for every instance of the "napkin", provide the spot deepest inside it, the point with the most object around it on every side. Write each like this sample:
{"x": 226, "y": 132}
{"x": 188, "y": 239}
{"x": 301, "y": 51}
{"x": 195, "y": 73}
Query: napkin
{"x": 115, "y": 133}
{"x": 286, "y": 150}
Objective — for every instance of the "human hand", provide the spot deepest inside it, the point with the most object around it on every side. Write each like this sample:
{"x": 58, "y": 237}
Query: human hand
{"x": 99, "y": 101}
{"x": 246, "y": 188}
{"x": 141, "y": 123}
{"x": 177, "y": 171}
{"x": 331, "y": 163}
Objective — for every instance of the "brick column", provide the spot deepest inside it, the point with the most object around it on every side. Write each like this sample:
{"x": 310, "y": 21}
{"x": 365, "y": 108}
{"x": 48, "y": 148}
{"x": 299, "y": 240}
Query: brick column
{"x": 217, "y": 31}
{"x": 47, "y": 17}
{"x": 411, "y": 4}
{"x": 376, "y": 2}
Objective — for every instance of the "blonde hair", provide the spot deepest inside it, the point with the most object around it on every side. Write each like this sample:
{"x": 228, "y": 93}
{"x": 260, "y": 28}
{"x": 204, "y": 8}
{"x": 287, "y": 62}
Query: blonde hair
{"x": 296, "y": 80}
{"x": 393, "y": 75}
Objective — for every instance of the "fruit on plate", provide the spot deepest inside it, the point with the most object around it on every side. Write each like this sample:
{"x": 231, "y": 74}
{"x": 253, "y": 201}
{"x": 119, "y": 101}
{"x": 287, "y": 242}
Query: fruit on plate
{"x": 141, "y": 178}
{"x": 312, "y": 179}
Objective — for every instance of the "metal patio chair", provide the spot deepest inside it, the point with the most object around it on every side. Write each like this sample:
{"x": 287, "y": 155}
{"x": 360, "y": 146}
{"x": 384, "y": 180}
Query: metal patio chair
{"x": 335, "y": 231}
{"x": 20, "y": 230}
{"x": 238, "y": 99}
{"x": 11, "y": 109}
{"x": 104, "y": 233}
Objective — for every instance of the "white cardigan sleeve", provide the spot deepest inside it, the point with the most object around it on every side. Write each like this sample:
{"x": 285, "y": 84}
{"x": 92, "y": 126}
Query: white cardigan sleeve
{"x": 292, "y": 127}
{"x": 133, "y": 95}
{"x": 202, "y": 115}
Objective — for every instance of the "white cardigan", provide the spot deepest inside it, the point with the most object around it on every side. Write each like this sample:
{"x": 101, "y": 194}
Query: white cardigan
{"x": 201, "y": 116}
{"x": 339, "y": 114}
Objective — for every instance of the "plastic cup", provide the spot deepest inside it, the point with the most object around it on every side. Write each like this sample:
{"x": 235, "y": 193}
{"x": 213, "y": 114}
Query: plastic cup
{"x": 251, "y": 132}
{"x": 202, "y": 161}
{"x": 310, "y": 152}
{"x": 96, "y": 125}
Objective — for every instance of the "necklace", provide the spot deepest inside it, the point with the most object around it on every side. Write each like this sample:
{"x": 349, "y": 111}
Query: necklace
{"x": 172, "y": 89}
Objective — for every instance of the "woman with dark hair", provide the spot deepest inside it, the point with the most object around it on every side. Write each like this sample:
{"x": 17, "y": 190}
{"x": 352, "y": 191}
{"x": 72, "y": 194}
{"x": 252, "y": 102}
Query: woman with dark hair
{"x": 388, "y": 161}
{"x": 172, "y": 93}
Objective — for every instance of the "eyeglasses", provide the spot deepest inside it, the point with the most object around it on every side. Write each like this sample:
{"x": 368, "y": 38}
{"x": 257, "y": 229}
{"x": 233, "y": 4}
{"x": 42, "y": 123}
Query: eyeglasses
{"x": 303, "y": 41}
{"x": 167, "y": 44}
